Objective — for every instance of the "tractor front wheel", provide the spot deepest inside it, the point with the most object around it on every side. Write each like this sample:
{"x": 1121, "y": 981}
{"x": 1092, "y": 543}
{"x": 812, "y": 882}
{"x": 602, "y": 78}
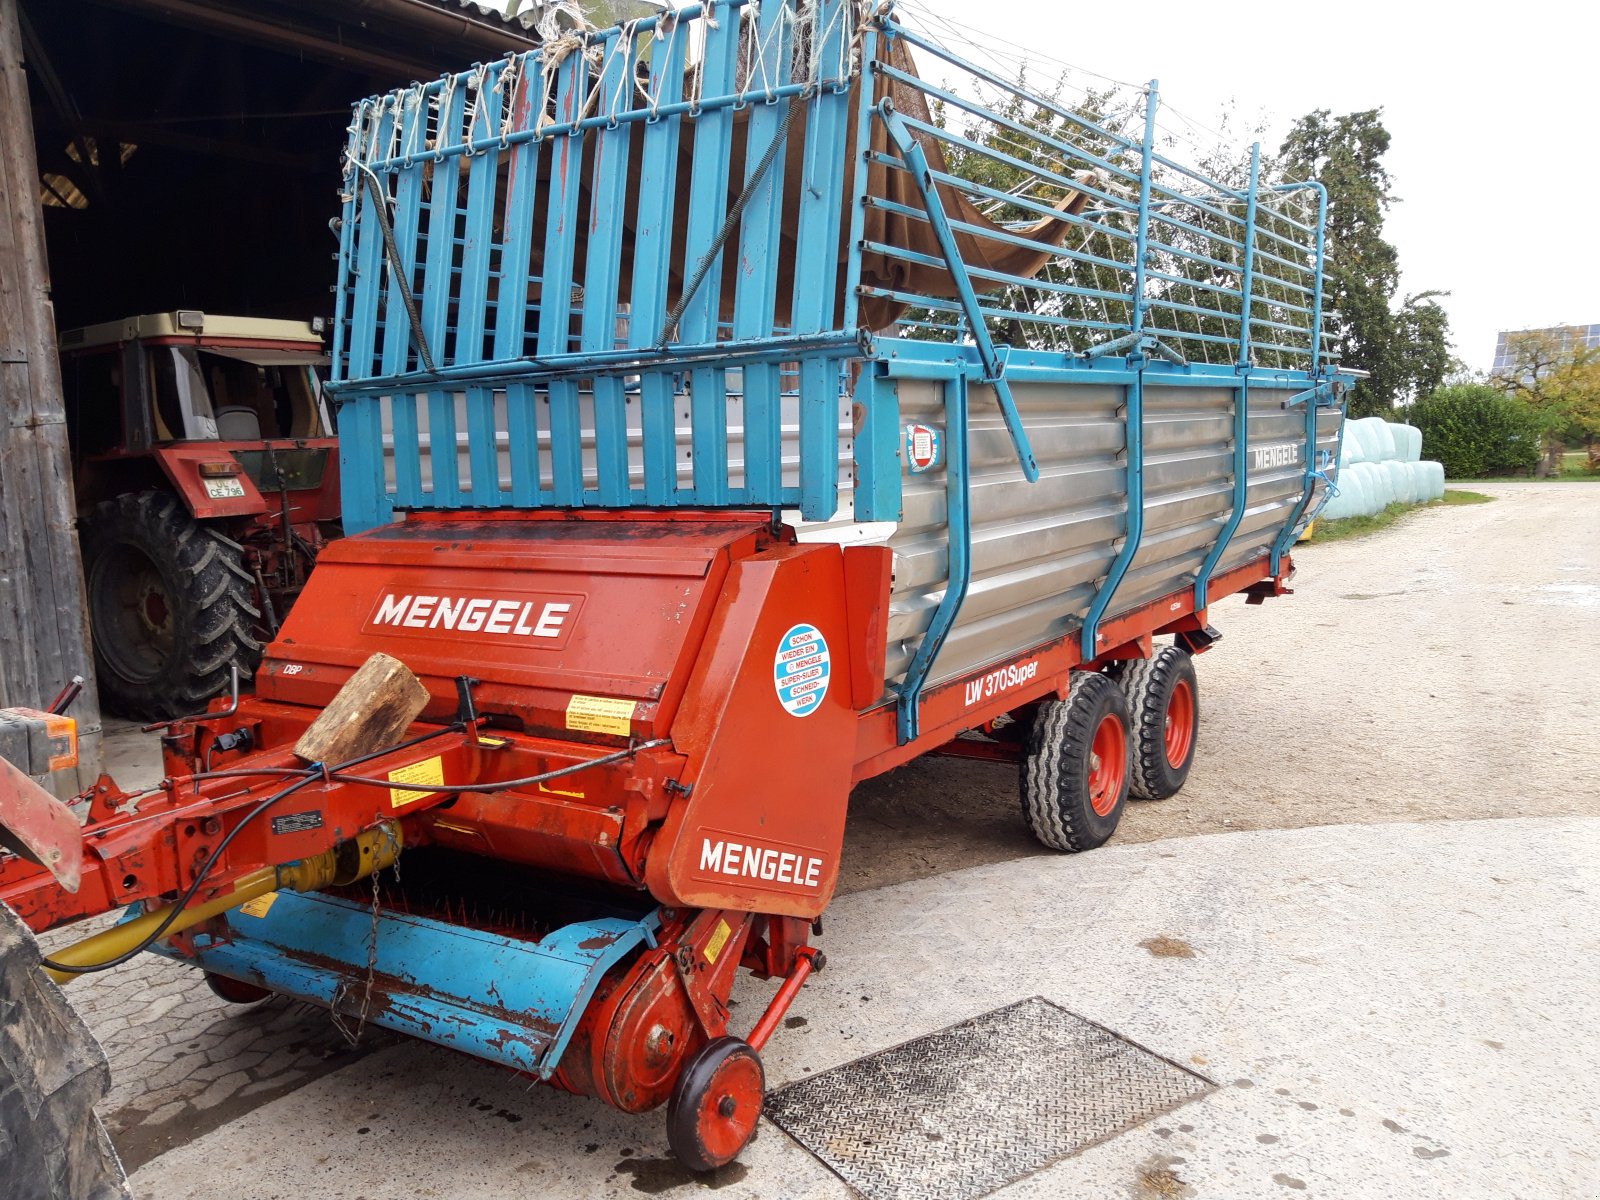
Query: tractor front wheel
{"x": 170, "y": 607}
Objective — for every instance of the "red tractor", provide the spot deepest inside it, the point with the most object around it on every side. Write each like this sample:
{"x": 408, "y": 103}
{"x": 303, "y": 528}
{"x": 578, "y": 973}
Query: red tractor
{"x": 207, "y": 480}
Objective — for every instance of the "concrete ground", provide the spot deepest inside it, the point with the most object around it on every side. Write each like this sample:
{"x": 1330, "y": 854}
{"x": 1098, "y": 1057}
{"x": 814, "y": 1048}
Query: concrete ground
{"x": 1406, "y": 1011}
{"x": 1439, "y": 977}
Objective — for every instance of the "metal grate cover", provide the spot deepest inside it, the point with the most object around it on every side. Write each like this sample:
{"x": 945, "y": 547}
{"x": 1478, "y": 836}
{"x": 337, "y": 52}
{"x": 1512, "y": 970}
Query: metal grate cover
{"x": 961, "y": 1112}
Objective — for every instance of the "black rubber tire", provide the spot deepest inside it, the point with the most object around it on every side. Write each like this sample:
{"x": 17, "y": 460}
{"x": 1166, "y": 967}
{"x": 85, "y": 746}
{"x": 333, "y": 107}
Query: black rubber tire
{"x": 1056, "y": 767}
{"x": 52, "y": 1074}
{"x": 236, "y": 991}
{"x": 698, "y": 1085}
{"x": 1149, "y": 684}
{"x": 170, "y": 607}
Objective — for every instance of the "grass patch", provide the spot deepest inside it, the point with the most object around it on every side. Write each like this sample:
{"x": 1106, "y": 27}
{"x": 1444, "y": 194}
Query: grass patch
{"x": 1349, "y": 527}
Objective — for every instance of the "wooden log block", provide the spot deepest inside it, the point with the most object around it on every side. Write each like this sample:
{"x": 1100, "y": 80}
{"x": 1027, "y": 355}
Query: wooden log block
{"x": 372, "y": 710}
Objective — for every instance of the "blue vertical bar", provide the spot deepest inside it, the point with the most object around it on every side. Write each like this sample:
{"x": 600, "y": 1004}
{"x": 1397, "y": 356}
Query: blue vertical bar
{"x": 365, "y": 501}
{"x": 438, "y": 285}
{"x": 1142, "y": 238}
{"x": 877, "y": 448}
{"x": 858, "y": 207}
{"x": 470, "y": 312}
{"x": 361, "y": 501}
{"x": 1241, "y": 395}
{"x": 347, "y": 229}
{"x": 397, "y": 337}
{"x": 708, "y": 199}
{"x": 555, "y": 288}
{"x": 511, "y": 301}
{"x": 817, "y": 241}
{"x": 372, "y": 271}
{"x": 958, "y": 576}
{"x": 760, "y": 247}
{"x": 652, "y": 259}
{"x": 1133, "y": 416}
{"x": 602, "y": 268}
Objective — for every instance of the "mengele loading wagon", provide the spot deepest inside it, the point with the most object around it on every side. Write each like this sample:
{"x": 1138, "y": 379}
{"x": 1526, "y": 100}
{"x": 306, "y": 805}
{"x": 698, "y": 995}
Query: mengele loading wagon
{"x": 729, "y": 415}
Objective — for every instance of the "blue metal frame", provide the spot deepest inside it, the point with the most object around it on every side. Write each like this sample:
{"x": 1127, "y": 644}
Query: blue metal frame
{"x": 508, "y": 1001}
{"x": 1193, "y": 277}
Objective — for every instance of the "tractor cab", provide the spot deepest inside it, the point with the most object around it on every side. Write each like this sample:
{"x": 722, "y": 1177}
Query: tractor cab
{"x": 206, "y": 475}
{"x": 136, "y": 386}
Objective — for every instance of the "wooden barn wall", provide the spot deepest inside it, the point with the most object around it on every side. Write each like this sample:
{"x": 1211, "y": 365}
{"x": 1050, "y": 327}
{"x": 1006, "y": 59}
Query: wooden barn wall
{"x": 44, "y": 638}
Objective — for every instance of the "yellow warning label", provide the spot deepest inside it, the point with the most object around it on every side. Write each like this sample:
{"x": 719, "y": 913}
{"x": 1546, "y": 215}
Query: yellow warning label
{"x": 259, "y": 906}
{"x": 550, "y": 791}
{"x": 600, "y": 714}
{"x": 719, "y": 939}
{"x": 429, "y": 770}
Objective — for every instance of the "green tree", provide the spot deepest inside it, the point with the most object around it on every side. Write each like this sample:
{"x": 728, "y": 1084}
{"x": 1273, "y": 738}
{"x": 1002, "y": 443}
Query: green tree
{"x": 1558, "y": 375}
{"x": 1403, "y": 344}
{"x": 1475, "y": 430}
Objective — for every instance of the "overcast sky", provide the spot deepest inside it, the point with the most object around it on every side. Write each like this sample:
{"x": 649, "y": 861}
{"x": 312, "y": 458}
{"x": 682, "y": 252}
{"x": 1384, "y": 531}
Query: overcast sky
{"x": 1494, "y": 112}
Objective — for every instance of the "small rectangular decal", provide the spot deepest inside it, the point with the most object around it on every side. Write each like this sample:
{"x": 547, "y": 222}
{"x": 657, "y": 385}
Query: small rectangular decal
{"x": 719, "y": 939}
{"x": 300, "y": 822}
{"x": 260, "y": 906}
{"x": 429, "y": 770}
{"x": 601, "y": 714}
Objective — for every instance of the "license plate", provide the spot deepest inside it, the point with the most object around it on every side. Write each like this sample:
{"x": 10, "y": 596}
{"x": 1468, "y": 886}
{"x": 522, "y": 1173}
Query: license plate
{"x": 223, "y": 489}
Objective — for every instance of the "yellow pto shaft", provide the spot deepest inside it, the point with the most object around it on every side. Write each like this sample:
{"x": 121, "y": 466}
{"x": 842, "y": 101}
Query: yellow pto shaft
{"x": 363, "y": 855}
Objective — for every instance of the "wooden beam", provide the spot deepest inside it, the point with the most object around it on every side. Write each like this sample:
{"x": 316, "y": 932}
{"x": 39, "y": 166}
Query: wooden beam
{"x": 371, "y": 711}
{"x": 44, "y": 627}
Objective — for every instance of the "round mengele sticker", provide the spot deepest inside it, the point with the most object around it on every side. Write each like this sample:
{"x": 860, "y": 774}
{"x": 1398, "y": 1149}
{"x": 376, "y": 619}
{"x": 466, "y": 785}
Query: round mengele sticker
{"x": 800, "y": 670}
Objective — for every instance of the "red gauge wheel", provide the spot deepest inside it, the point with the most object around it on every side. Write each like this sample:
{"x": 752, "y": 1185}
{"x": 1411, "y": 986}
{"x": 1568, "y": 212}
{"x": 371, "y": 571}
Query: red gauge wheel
{"x": 1076, "y": 770}
{"x": 1164, "y": 714}
{"x": 715, "y": 1104}
{"x": 236, "y": 991}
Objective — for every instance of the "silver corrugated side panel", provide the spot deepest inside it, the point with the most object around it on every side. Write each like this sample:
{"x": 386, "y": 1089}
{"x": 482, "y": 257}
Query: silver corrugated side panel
{"x": 1041, "y": 550}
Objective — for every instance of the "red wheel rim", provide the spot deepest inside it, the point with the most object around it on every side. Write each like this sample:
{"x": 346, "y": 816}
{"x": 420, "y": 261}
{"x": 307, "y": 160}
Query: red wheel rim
{"x": 730, "y": 1108}
{"x": 1108, "y": 764}
{"x": 1177, "y": 735}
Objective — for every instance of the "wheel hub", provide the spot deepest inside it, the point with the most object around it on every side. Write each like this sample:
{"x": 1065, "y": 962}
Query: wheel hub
{"x": 1108, "y": 758}
{"x": 1177, "y": 729}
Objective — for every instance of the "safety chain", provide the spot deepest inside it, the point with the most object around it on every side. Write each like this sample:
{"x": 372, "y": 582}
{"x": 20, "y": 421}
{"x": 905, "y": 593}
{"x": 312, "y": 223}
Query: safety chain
{"x": 342, "y": 991}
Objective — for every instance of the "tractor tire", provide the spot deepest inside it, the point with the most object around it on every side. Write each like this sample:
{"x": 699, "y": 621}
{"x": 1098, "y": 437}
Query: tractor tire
{"x": 52, "y": 1071}
{"x": 170, "y": 607}
{"x": 1164, "y": 714}
{"x": 1076, "y": 768}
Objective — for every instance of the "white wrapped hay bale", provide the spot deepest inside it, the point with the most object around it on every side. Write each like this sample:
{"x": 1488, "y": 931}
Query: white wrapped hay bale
{"x": 1407, "y": 441}
{"x": 1380, "y": 441}
{"x": 1351, "y": 448}
{"x": 1432, "y": 480}
{"x": 1349, "y": 500}
{"x": 1400, "y": 478}
{"x": 1380, "y": 485}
